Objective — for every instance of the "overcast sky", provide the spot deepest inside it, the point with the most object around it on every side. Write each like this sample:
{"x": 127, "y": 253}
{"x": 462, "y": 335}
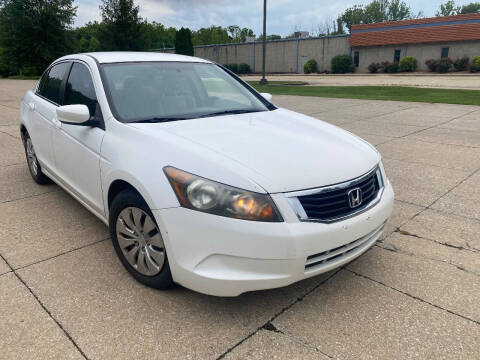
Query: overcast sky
{"x": 284, "y": 16}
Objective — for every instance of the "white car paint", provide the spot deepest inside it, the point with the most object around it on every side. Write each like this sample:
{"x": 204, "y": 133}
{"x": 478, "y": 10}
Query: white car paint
{"x": 273, "y": 152}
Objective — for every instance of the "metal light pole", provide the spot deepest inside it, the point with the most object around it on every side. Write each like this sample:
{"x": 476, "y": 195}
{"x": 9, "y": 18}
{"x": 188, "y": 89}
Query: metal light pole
{"x": 264, "y": 81}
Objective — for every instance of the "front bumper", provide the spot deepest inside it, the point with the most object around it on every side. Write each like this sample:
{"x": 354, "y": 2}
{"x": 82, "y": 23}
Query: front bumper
{"x": 226, "y": 257}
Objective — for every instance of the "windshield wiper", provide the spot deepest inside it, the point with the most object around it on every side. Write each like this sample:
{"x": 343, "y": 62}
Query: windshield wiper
{"x": 228, "y": 112}
{"x": 159, "y": 119}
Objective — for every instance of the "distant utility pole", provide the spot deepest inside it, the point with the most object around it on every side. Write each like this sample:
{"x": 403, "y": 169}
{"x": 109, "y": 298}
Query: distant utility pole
{"x": 264, "y": 81}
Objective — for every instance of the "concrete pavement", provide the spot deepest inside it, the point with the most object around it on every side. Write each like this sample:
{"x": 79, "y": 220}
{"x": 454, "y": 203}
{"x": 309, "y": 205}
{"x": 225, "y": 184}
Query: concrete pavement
{"x": 64, "y": 293}
{"x": 466, "y": 81}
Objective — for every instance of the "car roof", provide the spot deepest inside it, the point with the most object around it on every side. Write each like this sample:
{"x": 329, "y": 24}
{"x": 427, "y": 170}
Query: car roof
{"x": 131, "y": 56}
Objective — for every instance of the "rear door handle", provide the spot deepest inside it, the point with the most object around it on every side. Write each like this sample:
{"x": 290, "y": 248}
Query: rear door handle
{"x": 31, "y": 106}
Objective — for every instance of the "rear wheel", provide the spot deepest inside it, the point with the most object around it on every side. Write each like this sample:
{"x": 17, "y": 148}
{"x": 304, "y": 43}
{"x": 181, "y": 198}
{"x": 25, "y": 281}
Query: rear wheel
{"x": 138, "y": 241}
{"x": 33, "y": 165}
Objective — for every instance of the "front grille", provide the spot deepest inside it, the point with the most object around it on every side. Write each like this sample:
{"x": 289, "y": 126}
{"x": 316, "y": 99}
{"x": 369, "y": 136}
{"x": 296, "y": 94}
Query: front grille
{"x": 324, "y": 259}
{"x": 332, "y": 203}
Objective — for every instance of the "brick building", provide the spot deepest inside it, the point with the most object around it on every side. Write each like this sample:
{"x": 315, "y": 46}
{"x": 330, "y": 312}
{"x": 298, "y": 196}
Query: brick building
{"x": 430, "y": 38}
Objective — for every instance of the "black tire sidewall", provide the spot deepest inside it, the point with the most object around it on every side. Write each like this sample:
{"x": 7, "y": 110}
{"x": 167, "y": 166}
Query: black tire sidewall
{"x": 130, "y": 198}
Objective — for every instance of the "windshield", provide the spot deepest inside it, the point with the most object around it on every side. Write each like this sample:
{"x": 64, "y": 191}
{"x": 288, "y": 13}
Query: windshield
{"x": 167, "y": 91}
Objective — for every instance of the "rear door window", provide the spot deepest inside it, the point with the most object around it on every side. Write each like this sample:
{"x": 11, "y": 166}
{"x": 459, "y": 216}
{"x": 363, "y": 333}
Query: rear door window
{"x": 51, "y": 83}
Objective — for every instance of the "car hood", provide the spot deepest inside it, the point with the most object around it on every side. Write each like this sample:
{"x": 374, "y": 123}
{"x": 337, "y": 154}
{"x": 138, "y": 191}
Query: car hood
{"x": 284, "y": 150}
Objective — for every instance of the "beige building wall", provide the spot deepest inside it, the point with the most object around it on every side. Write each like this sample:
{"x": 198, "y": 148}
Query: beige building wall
{"x": 289, "y": 56}
{"x": 421, "y": 52}
{"x": 282, "y": 56}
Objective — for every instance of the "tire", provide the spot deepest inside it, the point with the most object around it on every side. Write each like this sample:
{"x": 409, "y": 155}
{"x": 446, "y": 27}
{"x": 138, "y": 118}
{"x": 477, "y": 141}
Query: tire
{"x": 137, "y": 240}
{"x": 33, "y": 165}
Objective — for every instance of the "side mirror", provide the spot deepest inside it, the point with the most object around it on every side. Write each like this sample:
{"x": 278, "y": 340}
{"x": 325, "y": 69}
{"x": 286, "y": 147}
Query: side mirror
{"x": 73, "y": 114}
{"x": 267, "y": 96}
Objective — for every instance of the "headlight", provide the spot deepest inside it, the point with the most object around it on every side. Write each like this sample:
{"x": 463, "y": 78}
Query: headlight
{"x": 197, "y": 193}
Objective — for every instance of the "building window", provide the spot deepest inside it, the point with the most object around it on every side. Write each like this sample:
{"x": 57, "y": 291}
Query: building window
{"x": 396, "y": 56}
{"x": 445, "y": 52}
{"x": 356, "y": 58}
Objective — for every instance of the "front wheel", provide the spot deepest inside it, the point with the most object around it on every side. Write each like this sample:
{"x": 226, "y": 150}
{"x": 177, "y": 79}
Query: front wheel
{"x": 33, "y": 165}
{"x": 138, "y": 241}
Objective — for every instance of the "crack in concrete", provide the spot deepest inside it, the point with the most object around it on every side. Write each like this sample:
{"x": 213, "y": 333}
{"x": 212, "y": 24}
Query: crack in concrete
{"x": 5, "y": 273}
{"x": 61, "y": 254}
{"x": 28, "y": 196}
{"x": 425, "y": 164}
{"x": 449, "y": 144}
{"x": 435, "y": 210}
{"x": 270, "y": 327}
{"x": 8, "y": 134}
{"x": 414, "y": 297}
{"x": 435, "y": 201}
{"x": 69, "y": 337}
{"x": 265, "y": 325}
{"x": 457, "y": 247}
{"x": 14, "y": 164}
{"x": 395, "y": 249}
{"x": 10, "y": 107}
{"x": 419, "y": 131}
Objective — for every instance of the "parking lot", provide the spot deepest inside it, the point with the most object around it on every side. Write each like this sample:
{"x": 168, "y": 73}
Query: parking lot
{"x": 415, "y": 294}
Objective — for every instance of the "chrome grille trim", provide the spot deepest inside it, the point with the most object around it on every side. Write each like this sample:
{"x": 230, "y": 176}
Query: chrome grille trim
{"x": 293, "y": 197}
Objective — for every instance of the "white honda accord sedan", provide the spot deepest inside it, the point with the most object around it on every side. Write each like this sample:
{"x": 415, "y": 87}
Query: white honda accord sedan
{"x": 201, "y": 179}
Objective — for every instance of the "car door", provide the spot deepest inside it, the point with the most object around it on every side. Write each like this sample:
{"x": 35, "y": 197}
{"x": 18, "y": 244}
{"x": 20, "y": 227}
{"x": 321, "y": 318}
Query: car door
{"x": 42, "y": 107}
{"x": 77, "y": 147}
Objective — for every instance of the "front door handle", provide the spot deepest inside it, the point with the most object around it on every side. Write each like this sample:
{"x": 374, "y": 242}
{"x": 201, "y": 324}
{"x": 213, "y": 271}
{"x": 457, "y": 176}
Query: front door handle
{"x": 57, "y": 123}
{"x": 31, "y": 106}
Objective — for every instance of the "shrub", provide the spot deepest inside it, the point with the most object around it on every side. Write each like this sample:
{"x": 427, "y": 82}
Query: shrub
{"x": 310, "y": 67}
{"x": 408, "y": 64}
{"x": 432, "y": 64}
{"x": 475, "y": 67}
{"x": 342, "y": 64}
{"x": 461, "y": 64}
{"x": 375, "y": 67}
{"x": 232, "y": 67}
{"x": 444, "y": 65}
{"x": 389, "y": 67}
{"x": 244, "y": 68}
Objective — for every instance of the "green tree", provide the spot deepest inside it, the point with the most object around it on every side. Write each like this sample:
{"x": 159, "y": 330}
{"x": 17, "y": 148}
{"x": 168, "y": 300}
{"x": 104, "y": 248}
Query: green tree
{"x": 448, "y": 9}
{"x": 472, "y": 8}
{"x": 123, "y": 28}
{"x": 210, "y": 35}
{"x": 398, "y": 10}
{"x": 87, "y": 37}
{"x": 338, "y": 28}
{"x": 34, "y": 33}
{"x": 158, "y": 36}
{"x": 183, "y": 42}
{"x": 238, "y": 34}
{"x": 352, "y": 16}
{"x": 375, "y": 11}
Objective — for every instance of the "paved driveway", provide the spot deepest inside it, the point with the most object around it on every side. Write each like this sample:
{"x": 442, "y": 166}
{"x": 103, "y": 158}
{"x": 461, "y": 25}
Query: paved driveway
{"x": 416, "y": 294}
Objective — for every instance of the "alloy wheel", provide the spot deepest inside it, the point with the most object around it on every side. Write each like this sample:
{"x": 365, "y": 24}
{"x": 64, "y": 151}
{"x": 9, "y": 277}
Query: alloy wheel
{"x": 140, "y": 241}
{"x": 31, "y": 157}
